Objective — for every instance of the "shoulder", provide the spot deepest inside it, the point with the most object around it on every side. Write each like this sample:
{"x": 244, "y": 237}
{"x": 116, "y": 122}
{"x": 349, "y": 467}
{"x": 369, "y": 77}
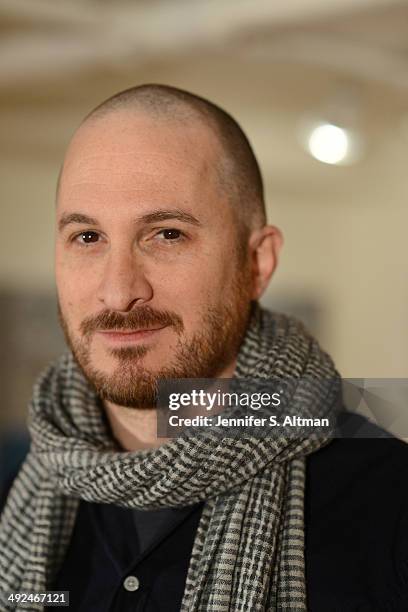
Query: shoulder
{"x": 359, "y": 482}
{"x": 14, "y": 450}
{"x": 361, "y": 452}
{"x": 359, "y": 443}
{"x": 356, "y": 518}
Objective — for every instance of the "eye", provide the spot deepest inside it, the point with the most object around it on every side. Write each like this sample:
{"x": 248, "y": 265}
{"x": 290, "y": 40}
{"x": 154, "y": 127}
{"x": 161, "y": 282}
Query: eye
{"x": 87, "y": 237}
{"x": 171, "y": 234}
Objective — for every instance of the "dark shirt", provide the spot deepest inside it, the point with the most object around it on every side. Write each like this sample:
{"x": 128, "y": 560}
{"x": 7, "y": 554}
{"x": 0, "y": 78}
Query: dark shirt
{"x": 356, "y": 536}
{"x": 107, "y": 548}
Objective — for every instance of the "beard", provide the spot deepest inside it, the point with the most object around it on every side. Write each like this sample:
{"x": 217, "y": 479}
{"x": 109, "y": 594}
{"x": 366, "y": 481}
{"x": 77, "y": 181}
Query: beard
{"x": 203, "y": 355}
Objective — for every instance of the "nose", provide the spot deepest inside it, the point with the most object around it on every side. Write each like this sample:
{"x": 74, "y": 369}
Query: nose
{"x": 124, "y": 283}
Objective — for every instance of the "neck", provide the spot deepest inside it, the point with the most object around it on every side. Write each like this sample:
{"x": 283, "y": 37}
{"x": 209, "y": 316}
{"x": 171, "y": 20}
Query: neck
{"x": 135, "y": 428}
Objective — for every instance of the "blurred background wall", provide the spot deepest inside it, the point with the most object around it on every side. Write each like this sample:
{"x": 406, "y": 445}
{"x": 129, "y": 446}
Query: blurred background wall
{"x": 282, "y": 69}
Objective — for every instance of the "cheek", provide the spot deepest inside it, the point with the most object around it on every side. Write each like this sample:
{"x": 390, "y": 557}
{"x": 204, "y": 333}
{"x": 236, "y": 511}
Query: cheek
{"x": 193, "y": 291}
{"x": 76, "y": 292}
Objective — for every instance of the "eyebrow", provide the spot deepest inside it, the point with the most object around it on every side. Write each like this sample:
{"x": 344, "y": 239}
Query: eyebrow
{"x": 153, "y": 217}
{"x": 66, "y": 219}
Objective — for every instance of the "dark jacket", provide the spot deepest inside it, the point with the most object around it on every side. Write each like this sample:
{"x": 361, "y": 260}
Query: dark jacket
{"x": 356, "y": 537}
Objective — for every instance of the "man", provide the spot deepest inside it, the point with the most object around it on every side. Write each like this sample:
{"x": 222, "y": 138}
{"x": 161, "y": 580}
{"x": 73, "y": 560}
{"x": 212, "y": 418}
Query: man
{"x": 162, "y": 253}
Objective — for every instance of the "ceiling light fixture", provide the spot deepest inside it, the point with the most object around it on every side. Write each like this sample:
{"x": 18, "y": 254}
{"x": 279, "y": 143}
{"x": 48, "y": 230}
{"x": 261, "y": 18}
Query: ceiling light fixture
{"x": 329, "y": 143}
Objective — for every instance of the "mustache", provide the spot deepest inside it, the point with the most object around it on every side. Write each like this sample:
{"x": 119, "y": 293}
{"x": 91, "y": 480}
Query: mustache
{"x": 139, "y": 318}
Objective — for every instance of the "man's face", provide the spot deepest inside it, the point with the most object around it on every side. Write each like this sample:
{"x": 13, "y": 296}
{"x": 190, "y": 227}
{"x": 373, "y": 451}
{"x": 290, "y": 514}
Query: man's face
{"x": 146, "y": 240}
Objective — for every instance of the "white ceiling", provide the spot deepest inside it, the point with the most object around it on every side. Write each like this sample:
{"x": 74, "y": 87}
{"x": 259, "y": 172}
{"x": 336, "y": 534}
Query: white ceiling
{"x": 272, "y": 64}
{"x": 42, "y": 39}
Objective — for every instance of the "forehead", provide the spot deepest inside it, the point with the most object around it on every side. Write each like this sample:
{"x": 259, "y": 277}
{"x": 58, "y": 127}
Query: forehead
{"x": 133, "y": 157}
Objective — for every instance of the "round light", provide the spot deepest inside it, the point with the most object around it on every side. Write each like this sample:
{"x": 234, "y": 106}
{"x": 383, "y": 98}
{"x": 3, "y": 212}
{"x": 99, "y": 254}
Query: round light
{"x": 329, "y": 143}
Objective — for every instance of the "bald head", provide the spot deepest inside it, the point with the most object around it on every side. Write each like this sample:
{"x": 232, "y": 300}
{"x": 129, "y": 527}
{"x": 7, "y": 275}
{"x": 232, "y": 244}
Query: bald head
{"x": 160, "y": 227}
{"x": 237, "y": 168}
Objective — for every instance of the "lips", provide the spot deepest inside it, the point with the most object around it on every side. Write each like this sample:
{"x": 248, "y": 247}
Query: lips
{"x": 130, "y": 335}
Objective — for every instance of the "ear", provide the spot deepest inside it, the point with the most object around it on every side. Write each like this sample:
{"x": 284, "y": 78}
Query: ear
{"x": 264, "y": 245}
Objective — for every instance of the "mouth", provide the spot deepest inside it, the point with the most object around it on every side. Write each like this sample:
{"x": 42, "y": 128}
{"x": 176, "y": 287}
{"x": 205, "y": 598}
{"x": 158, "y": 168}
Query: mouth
{"x": 126, "y": 336}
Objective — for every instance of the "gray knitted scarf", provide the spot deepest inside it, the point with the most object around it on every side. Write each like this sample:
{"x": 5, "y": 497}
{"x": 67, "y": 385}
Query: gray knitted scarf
{"x": 248, "y": 553}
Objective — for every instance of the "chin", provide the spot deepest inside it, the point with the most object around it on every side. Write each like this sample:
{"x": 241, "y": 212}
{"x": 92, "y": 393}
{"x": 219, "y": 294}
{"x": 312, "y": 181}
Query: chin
{"x": 124, "y": 359}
